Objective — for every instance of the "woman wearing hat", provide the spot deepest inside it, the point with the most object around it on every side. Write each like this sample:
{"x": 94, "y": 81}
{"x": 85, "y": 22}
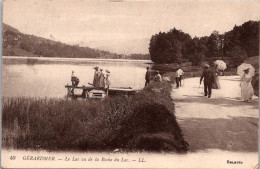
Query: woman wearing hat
{"x": 247, "y": 90}
{"x": 101, "y": 79}
{"x": 96, "y": 77}
{"x": 216, "y": 84}
{"x": 108, "y": 83}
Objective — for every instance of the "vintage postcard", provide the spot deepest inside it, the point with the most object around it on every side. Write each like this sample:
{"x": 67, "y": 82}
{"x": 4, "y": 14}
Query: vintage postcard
{"x": 130, "y": 84}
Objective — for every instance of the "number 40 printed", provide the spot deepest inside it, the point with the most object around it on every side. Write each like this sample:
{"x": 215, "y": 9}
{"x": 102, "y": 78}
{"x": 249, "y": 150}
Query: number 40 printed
{"x": 12, "y": 157}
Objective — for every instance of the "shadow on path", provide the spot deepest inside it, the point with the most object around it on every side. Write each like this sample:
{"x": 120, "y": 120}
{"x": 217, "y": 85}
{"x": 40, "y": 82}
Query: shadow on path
{"x": 222, "y": 102}
{"x": 235, "y": 134}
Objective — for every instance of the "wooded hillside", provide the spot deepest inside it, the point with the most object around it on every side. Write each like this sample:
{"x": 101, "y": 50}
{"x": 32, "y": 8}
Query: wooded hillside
{"x": 176, "y": 46}
{"x": 16, "y": 43}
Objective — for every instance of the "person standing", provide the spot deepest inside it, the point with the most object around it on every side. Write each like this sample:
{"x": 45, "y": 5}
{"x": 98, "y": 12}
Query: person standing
{"x": 208, "y": 80}
{"x": 147, "y": 76}
{"x": 101, "y": 79}
{"x": 216, "y": 84}
{"x": 96, "y": 77}
{"x": 73, "y": 78}
{"x": 108, "y": 83}
{"x": 179, "y": 74}
{"x": 77, "y": 81}
{"x": 247, "y": 90}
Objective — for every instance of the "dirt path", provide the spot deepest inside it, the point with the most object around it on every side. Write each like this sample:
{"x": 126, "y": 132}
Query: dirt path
{"x": 221, "y": 122}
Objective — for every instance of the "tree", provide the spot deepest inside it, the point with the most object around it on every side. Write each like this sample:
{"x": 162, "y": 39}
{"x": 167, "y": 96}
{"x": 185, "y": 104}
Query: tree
{"x": 238, "y": 55}
{"x": 232, "y": 38}
{"x": 214, "y": 45}
{"x": 158, "y": 48}
{"x": 25, "y": 46}
{"x": 169, "y": 47}
{"x": 250, "y": 37}
{"x": 198, "y": 50}
{"x": 246, "y": 36}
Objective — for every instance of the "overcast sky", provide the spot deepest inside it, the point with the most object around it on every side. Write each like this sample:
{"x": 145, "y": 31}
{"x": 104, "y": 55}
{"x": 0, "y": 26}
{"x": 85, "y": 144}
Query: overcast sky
{"x": 73, "y": 21}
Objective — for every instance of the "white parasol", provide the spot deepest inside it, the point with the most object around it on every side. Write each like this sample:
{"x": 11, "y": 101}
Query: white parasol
{"x": 221, "y": 64}
{"x": 241, "y": 69}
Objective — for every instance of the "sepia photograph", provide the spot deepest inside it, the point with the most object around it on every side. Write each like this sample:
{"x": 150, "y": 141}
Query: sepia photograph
{"x": 130, "y": 84}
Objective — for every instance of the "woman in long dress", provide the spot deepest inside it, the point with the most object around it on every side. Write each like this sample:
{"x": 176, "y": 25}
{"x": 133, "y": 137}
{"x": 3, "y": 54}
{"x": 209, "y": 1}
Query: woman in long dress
{"x": 96, "y": 77}
{"x": 101, "y": 79}
{"x": 216, "y": 84}
{"x": 108, "y": 80}
{"x": 247, "y": 90}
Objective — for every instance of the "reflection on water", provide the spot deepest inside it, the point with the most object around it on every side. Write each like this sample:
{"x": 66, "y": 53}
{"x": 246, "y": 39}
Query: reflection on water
{"x": 35, "y": 77}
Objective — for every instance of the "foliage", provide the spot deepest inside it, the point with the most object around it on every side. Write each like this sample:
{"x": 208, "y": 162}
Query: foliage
{"x": 144, "y": 121}
{"x": 169, "y": 47}
{"x": 175, "y": 46}
{"x": 246, "y": 36}
{"x": 255, "y": 84}
{"x": 237, "y": 54}
{"x": 137, "y": 56}
{"x": 214, "y": 44}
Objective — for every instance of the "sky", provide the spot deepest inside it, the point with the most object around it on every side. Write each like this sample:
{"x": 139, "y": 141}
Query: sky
{"x": 99, "y": 23}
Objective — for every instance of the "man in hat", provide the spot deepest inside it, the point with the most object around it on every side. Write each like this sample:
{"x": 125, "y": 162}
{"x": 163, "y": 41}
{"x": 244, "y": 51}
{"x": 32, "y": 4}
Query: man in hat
{"x": 179, "y": 74}
{"x": 147, "y": 76}
{"x": 74, "y": 79}
{"x": 157, "y": 77}
{"x": 208, "y": 80}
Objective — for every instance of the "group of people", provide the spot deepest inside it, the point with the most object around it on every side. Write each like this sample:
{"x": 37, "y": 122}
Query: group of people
{"x": 100, "y": 80}
{"x": 211, "y": 81}
{"x": 156, "y": 78}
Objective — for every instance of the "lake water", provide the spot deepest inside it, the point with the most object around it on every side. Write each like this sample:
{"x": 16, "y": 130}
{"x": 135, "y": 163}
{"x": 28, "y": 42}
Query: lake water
{"x": 47, "y": 77}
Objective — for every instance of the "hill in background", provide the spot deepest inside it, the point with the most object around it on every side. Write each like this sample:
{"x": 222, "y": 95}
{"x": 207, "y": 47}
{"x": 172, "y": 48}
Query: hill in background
{"x": 16, "y": 43}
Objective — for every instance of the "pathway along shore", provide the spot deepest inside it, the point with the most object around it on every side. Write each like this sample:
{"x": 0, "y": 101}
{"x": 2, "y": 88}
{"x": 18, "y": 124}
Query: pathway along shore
{"x": 222, "y": 122}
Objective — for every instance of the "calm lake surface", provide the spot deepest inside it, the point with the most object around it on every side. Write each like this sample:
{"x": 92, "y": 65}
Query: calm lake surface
{"x": 47, "y": 77}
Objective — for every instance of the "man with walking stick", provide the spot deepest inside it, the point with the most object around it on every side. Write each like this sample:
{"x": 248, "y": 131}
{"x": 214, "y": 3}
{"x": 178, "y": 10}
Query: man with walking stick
{"x": 208, "y": 80}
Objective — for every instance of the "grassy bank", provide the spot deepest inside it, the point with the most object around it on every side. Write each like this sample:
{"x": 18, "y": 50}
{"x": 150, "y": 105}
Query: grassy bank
{"x": 144, "y": 121}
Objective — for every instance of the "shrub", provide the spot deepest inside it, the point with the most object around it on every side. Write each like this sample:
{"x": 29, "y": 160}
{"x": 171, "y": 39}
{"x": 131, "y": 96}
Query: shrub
{"x": 121, "y": 122}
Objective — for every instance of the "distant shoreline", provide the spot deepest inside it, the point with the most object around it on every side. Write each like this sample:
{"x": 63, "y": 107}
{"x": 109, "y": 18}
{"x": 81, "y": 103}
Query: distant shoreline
{"x": 67, "y": 59}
